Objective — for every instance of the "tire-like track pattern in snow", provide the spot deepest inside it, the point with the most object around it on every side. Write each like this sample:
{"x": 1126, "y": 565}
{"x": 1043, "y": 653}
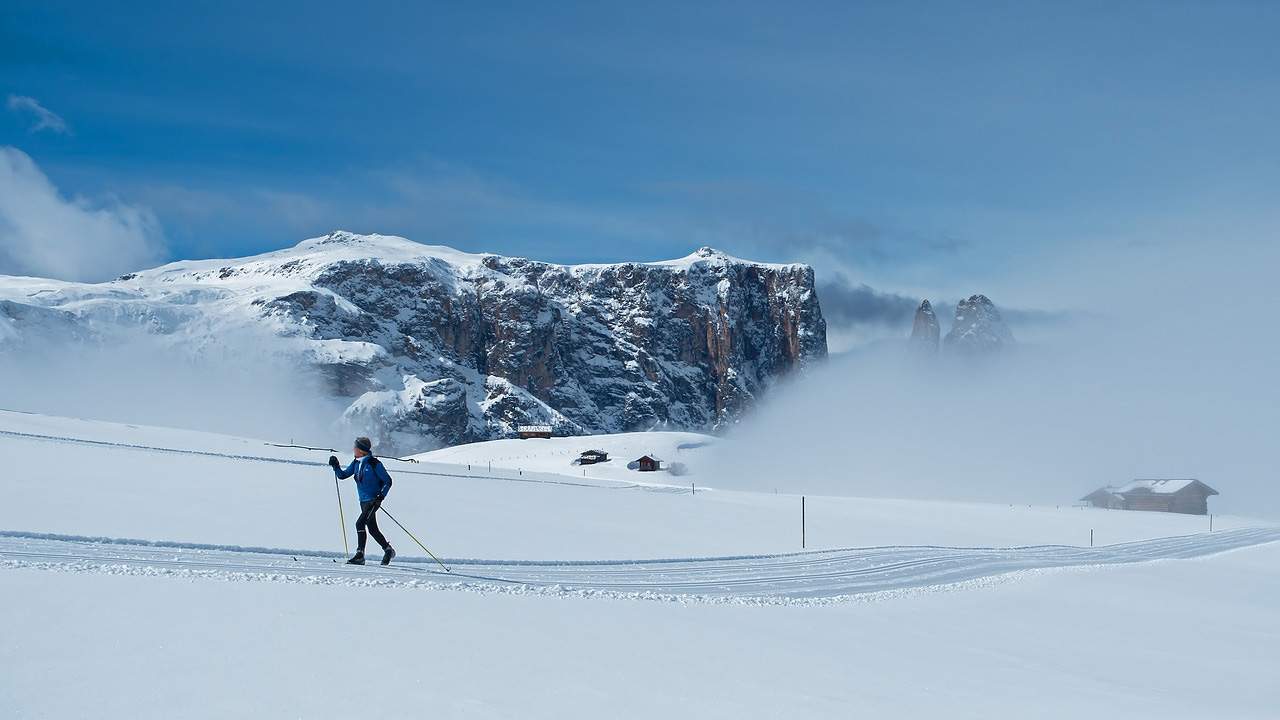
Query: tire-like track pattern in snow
{"x": 810, "y": 576}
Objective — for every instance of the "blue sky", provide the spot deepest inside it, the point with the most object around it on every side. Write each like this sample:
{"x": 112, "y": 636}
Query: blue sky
{"x": 916, "y": 146}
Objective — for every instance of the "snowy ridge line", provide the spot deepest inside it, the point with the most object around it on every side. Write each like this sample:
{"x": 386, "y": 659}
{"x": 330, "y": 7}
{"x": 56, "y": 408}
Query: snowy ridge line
{"x": 617, "y": 484}
{"x": 818, "y": 577}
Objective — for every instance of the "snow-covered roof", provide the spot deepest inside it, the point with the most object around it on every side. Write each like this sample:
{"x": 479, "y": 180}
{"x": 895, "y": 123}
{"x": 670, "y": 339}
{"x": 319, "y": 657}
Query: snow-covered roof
{"x": 1154, "y": 486}
{"x": 1160, "y": 486}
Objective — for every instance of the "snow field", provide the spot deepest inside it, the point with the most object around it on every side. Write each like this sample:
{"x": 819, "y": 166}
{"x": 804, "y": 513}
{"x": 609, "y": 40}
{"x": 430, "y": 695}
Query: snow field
{"x": 152, "y": 629}
{"x": 1057, "y": 645}
{"x": 277, "y": 500}
{"x": 820, "y": 576}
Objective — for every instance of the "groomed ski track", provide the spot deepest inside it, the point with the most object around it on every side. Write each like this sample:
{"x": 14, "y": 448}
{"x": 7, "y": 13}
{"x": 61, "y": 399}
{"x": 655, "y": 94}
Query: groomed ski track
{"x": 796, "y": 578}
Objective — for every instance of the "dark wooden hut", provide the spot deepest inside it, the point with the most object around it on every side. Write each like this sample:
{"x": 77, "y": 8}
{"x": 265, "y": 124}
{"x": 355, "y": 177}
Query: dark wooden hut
{"x": 591, "y": 457}
{"x": 1177, "y": 495}
{"x": 649, "y": 463}
{"x": 1105, "y": 498}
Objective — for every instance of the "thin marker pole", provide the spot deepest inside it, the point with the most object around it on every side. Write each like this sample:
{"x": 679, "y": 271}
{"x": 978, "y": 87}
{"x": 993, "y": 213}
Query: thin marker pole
{"x": 802, "y": 524}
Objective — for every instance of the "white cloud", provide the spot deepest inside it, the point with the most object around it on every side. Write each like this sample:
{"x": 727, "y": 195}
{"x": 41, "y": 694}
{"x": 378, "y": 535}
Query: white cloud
{"x": 45, "y": 234}
{"x": 45, "y": 119}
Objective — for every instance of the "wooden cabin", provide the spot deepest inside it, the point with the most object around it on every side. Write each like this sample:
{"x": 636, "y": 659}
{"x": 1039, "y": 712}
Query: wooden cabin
{"x": 1105, "y": 498}
{"x": 591, "y": 457}
{"x": 1177, "y": 495}
{"x": 533, "y": 431}
{"x": 649, "y": 463}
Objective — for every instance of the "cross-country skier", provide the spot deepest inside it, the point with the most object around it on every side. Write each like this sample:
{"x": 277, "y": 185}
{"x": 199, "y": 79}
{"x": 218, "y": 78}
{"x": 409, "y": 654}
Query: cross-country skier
{"x": 373, "y": 483}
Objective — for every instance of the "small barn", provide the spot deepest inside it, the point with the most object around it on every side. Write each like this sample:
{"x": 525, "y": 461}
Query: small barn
{"x": 591, "y": 457}
{"x": 649, "y": 463}
{"x": 1105, "y": 498}
{"x": 533, "y": 431}
{"x": 1177, "y": 495}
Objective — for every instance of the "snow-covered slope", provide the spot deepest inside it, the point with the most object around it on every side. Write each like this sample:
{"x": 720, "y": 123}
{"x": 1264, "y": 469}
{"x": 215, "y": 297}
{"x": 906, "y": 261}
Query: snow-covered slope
{"x": 549, "y": 606}
{"x": 429, "y": 345}
{"x": 109, "y": 479}
{"x": 683, "y": 455}
{"x": 1062, "y": 646}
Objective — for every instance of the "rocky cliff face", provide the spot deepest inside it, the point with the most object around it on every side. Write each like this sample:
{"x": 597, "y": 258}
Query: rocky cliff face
{"x": 431, "y": 346}
{"x": 925, "y": 330}
{"x": 978, "y": 329}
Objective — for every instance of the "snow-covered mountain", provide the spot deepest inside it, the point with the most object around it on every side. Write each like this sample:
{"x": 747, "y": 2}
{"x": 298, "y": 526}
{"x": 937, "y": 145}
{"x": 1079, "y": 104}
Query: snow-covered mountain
{"x": 427, "y": 345}
{"x": 978, "y": 328}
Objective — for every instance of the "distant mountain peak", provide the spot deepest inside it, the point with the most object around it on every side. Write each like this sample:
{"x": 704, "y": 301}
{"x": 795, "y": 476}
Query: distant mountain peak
{"x": 978, "y": 328}
{"x": 925, "y": 330}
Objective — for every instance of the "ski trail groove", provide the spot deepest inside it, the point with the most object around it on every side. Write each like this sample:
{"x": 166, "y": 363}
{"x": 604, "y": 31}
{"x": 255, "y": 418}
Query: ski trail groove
{"x": 784, "y": 578}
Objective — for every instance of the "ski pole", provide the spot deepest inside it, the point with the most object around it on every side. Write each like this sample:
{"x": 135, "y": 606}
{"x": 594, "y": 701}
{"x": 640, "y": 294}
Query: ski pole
{"x": 342, "y": 517}
{"x": 406, "y": 531}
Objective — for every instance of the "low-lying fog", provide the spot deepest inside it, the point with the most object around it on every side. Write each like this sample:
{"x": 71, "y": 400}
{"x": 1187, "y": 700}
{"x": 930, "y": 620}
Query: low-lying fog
{"x": 1168, "y": 372}
{"x": 236, "y": 387}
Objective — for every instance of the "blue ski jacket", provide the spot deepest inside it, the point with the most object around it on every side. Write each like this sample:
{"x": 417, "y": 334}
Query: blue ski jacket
{"x": 372, "y": 479}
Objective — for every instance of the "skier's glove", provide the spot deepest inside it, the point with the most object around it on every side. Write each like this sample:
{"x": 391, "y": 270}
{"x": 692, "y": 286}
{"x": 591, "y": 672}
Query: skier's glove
{"x": 333, "y": 462}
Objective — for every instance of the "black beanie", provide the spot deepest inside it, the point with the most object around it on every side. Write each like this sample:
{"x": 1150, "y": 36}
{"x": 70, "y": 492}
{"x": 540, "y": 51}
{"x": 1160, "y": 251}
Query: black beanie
{"x": 364, "y": 444}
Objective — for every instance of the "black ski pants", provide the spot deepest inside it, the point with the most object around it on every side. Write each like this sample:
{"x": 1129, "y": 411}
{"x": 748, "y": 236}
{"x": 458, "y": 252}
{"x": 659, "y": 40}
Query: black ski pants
{"x": 369, "y": 519}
